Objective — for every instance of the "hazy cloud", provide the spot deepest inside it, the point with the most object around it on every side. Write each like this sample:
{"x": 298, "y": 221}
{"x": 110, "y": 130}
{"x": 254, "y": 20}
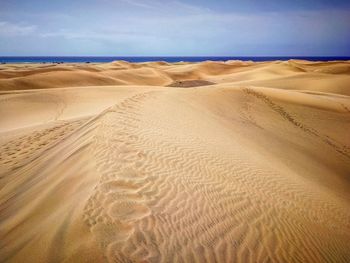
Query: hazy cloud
{"x": 139, "y": 3}
{"x": 8, "y": 29}
{"x": 171, "y": 6}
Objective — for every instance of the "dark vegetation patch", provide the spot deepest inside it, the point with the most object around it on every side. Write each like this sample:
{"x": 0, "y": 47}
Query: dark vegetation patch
{"x": 190, "y": 83}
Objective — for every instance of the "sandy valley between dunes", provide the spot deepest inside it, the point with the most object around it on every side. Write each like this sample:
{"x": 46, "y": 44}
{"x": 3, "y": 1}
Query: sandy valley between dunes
{"x": 185, "y": 162}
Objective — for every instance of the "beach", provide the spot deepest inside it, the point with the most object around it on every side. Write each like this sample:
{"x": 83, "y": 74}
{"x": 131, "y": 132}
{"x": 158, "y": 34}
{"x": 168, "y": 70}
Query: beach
{"x": 234, "y": 161}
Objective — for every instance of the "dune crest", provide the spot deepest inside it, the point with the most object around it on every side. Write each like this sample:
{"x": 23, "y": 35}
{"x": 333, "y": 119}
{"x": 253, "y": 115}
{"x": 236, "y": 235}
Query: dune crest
{"x": 114, "y": 163}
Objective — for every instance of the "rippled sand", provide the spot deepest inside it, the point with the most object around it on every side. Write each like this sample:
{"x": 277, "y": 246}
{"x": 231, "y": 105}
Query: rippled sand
{"x": 184, "y": 162}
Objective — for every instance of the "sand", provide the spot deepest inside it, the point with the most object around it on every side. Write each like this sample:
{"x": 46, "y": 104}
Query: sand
{"x": 185, "y": 162}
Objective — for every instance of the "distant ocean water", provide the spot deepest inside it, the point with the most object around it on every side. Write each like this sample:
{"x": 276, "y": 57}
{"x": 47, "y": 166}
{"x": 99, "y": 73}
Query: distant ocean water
{"x": 8, "y": 59}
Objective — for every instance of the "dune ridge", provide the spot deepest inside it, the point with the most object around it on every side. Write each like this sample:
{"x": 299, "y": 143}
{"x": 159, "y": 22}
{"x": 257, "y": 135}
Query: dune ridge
{"x": 118, "y": 162}
{"x": 332, "y": 77}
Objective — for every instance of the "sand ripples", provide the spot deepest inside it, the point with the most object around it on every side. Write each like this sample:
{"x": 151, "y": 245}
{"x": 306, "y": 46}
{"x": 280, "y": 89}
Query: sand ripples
{"x": 219, "y": 173}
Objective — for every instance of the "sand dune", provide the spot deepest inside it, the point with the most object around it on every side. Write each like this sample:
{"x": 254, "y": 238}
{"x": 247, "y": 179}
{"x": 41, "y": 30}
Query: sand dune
{"x": 118, "y": 162}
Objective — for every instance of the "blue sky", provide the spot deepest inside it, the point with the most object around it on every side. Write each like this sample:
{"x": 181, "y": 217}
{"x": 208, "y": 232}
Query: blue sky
{"x": 175, "y": 27}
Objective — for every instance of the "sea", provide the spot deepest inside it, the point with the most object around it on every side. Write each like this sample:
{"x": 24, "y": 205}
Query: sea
{"x": 103, "y": 59}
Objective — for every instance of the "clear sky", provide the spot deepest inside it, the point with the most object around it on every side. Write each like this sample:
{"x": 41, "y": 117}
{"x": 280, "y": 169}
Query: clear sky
{"x": 175, "y": 27}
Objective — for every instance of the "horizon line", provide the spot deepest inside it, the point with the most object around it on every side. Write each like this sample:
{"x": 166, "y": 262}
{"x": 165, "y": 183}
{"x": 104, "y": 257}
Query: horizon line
{"x": 169, "y": 56}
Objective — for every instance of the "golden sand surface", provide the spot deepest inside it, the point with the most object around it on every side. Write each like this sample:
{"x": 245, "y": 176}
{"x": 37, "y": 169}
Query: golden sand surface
{"x": 175, "y": 162}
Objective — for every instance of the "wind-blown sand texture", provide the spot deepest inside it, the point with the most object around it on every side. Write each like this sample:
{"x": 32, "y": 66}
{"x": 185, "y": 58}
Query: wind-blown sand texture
{"x": 186, "y": 162}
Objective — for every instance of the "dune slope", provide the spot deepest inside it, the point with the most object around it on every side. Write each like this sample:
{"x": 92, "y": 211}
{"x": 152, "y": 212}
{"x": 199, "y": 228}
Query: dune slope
{"x": 195, "y": 172}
